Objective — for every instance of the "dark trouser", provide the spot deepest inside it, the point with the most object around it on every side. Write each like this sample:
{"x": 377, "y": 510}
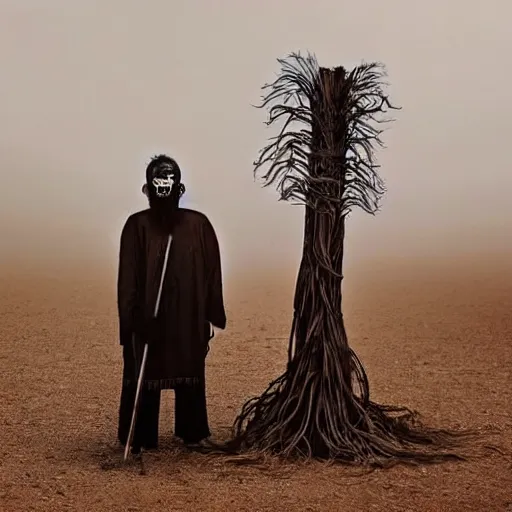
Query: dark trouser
{"x": 191, "y": 417}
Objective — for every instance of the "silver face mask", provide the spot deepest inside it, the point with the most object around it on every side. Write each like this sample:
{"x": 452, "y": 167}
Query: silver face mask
{"x": 164, "y": 180}
{"x": 163, "y": 186}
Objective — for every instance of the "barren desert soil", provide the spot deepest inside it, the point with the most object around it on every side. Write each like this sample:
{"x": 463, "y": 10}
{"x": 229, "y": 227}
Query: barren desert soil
{"x": 438, "y": 340}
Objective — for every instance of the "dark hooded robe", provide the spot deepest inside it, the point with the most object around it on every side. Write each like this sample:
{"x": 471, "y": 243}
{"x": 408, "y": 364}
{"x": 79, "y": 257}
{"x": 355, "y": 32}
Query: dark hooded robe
{"x": 191, "y": 302}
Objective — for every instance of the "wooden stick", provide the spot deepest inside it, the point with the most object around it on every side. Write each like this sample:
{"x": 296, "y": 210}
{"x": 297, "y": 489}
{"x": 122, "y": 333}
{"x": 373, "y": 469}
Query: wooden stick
{"x": 145, "y": 355}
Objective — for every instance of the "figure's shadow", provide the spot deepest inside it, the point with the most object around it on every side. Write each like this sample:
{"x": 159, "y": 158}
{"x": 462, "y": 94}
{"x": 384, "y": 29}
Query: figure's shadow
{"x": 102, "y": 451}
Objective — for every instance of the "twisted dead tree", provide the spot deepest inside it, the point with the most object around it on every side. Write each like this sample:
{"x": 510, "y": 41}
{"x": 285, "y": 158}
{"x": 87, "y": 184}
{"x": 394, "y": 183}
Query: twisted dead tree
{"x": 323, "y": 158}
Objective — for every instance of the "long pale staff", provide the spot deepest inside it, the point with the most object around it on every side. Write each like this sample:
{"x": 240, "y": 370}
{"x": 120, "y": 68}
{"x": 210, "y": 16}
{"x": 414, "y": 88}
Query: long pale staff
{"x": 145, "y": 355}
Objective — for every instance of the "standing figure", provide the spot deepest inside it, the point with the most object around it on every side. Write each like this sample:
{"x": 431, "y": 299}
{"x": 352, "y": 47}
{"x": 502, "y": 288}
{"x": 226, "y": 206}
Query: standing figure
{"x": 191, "y": 303}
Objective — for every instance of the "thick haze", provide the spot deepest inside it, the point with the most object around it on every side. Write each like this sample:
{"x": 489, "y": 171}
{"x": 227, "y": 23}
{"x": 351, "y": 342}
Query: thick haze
{"x": 90, "y": 90}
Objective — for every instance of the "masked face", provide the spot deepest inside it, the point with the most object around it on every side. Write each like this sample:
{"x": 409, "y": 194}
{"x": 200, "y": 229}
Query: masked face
{"x": 163, "y": 189}
{"x": 164, "y": 177}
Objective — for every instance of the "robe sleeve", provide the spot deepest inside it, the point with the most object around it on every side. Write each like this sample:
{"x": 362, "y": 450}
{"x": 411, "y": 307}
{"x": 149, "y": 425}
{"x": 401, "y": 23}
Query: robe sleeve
{"x": 127, "y": 280}
{"x": 215, "y": 312}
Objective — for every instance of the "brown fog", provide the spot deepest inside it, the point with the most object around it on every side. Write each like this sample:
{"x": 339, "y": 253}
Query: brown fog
{"x": 91, "y": 90}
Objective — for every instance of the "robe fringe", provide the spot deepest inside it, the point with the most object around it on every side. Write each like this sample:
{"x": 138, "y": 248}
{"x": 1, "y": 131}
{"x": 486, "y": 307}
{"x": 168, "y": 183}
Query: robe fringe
{"x": 165, "y": 383}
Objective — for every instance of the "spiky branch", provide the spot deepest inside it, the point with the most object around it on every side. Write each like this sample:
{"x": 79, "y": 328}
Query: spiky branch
{"x": 350, "y": 176}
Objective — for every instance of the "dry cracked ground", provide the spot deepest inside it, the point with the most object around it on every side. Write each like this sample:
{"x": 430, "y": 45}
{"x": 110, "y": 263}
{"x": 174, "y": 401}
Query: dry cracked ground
{"x": 437, "y": 338}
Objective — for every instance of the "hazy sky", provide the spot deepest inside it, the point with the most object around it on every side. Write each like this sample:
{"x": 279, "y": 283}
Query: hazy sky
{"x": 90, "y": 90}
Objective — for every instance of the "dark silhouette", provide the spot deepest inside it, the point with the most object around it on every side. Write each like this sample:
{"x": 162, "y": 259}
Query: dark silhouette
{"x": 191, "y": 302}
